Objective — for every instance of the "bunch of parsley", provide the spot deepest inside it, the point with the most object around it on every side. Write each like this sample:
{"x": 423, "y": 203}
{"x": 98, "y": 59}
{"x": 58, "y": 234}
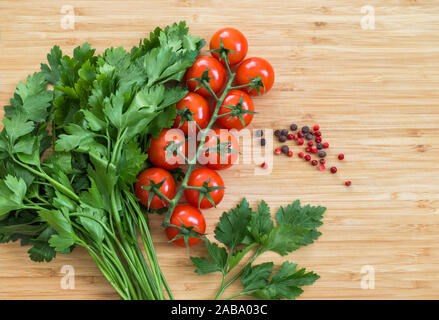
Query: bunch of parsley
{"x": 243, "y": 231}
{"x": 70, "y": 153}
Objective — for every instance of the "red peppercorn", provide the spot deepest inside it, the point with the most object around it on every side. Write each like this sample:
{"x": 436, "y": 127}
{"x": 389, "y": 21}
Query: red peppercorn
{"x": 290, "y": 153}
{"x": 277, "y": 151}
{"x": 300, "y": 154}
{"x": 318, "y": 134}
{"x": 316, "y": 127}
{"x": 314, "y": 150}
{"x": 325, "y": 145}
{"x": 290, "y": 136}
{"x": 300, "y": 134}
{"x": 318, "y": 139}
{"x": 308, "y": 149}
{"x": 321, "y": 167}
{"x": 264, "y": 165}
{"x": 310, "y": 143}
{"x": 314, "y": 162}
{"x": 296, "y": 136}
{"x": 348, "y": 183}
{"x": 333, "y": 169}
{"x": 322, "y": 161}
{"x": 307, "y": 157}
{"x": 341, "y": 156}
{"x": 300, "y": 142}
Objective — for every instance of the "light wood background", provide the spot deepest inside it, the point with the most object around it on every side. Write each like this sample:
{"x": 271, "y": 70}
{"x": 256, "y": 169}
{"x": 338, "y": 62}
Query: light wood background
{"x": 374, "y": 93}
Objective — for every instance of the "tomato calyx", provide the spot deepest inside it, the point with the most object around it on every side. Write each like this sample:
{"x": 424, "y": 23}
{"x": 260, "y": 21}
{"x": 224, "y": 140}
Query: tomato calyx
{"x": 154, "y": 190}
{"x": 186, "y": 115}
{"x": 237, "y": 111}
{"x": 204, "y": 192}
{"x": 203, "y": 82}
{"x": 185, "y": 232}
{"x": 222, "y": 148}
{"x": 256, "y": 84}
{"x": 223, "y": 52}
{"x": 172, "y": 149}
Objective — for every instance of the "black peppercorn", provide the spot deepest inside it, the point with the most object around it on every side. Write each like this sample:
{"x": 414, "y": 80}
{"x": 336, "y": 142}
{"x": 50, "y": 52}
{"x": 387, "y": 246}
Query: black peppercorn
{"x": 282, "y": 138}
{"x": 284, "y": 132}
{"x": 285, "y": 149}
{"x": 322, "y": 154}
{"x": 259, "y": 133}
{"x": 293, "y": 127}
{"x": 263, "y": 142}
{"x": 305, "y": 129}
{"x": 309, "y": 136}
{"x": 319, "y": 146}
{"x": 277, "y": 133}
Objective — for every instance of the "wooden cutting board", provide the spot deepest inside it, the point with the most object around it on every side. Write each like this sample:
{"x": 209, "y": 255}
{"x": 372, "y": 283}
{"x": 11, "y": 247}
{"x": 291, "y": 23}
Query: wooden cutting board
{"x": 374, "y": 92}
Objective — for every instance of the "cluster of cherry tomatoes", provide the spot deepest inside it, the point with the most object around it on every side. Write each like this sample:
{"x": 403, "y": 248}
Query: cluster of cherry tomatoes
{"x": 196, "y": 104}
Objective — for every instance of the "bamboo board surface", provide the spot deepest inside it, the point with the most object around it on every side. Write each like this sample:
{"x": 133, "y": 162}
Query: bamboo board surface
{"x": 374, "y": 93}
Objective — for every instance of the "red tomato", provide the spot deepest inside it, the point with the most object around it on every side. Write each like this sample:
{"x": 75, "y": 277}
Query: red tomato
{"x": 156, "y": 175}
{"x": 190, "y": 216}
{"x": 232, "y": 39}
{"x": 157, "y": 152}
{"x": 199, "y": 108}
{"x": 216, "y": 71}
{"x": 213, "y": 159}
{"x": 197, "y": 179}
{"x": 251, "y": 68}
{"x": 233, "y": 121}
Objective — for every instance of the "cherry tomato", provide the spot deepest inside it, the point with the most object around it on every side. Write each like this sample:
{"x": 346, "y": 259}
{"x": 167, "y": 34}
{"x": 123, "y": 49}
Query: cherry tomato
{"x": 232, "y": 39}
{"x": 216, "y": 71}
{"x": 156, "y": 175}
{"x": 157, "y": 150}
{"x": 190, "y": 216}
{"x": 197, "y": 179}
{"x": 212, "y": 158}
{"x": 199, "y": 108}
{"x": 251, "y": 68}
{"x": 233, "y": 121}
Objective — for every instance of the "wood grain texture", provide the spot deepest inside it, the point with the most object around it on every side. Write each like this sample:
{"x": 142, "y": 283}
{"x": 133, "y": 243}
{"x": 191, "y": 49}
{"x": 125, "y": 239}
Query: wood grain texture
{"x": 374, "y": 93}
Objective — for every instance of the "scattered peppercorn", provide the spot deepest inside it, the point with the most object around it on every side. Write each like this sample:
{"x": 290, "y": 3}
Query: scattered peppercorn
{"x": 348, "y": 183}
{"x": 284, "y": 132}
{"x": 308, "y": 149}
{"x": 305, "y": 129}
{"x": 290, "y": 153}
{"x": 296, "y": 136}
{"x": 341, "y": 156}
{"x": 326, "y": 145}
{"x": 285, "y": 149}
{"x": 300, "y": 134}
{"x": 307, "y": 157}
{"x": 263, "y": 142}
{"x": 300, "y": 154}
{"x": 314, "y": 150}
{"x": 264, "y": 165}
{"x": 322, "y": 154}
{"x": 316, "y": 127}
{"x": 319, "y": 146}
{"x": 317, "y": 133}
{"x": 293, "y": 127}
{"x": 277, "y": 151}
{"x": 321, "y": 167}
{"x": 314, "y": 162}
{"x": 277, "y": 133}
{"x": 333, "y": 169}
{"x": 290, "y": 136}
{"x": 282, "y": 138}
{"x": 310, "y": 143}
{"x": 322, "y": 161}
{"x": 300, "y": 142}
{"x": 309, "y": 136}
{"x": 318, "y": 139}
